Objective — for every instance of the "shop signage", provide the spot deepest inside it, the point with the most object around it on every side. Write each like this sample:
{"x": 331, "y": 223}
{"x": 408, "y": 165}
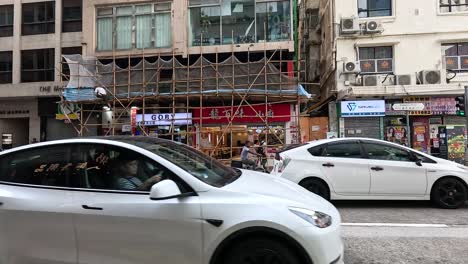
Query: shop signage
{"x": 444, "y": 106}
{"x": 409, "y": 107}
{"x": 274, "y": 113}
{"x": 362, "y": 108}
{"x": 165, "y": 119}
{"x": 50, "y": 88}
{"x": 133, "y": 114}
{"x": 67, "y": 111}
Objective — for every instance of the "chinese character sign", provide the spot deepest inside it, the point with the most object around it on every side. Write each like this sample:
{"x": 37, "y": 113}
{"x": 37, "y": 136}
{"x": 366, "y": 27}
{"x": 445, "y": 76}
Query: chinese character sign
{"x": 243, "y": 114}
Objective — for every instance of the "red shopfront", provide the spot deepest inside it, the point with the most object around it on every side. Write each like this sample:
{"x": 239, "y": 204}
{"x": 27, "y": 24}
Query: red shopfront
{"x": 218, "y": 128}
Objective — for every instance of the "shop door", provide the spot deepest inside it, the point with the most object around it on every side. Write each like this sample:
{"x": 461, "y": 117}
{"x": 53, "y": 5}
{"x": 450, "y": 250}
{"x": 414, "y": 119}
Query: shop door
{"x": 363, "y": 127}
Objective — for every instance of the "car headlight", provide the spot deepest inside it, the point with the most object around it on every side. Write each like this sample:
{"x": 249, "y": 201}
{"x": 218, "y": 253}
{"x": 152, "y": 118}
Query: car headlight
{"x": 318, "y": 219}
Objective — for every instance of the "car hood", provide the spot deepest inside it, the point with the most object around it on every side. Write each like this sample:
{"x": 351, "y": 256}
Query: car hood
{"x": 279, "y": 190}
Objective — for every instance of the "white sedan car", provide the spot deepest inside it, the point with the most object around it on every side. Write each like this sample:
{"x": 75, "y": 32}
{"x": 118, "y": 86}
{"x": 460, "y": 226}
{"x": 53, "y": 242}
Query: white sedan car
{"x": 142, "y": 200}
{"x": 369, "y": 169}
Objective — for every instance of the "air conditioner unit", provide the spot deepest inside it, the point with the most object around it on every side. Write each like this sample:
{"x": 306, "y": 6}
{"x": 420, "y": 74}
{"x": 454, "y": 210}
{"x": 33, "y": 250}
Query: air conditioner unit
{"x": 373, "y": 27}
{"x": 350, "y": 25}
{"x": 404, "y": 79}
{"x": 378, "y": 80}
{"x": 429, "y": 77}
{"x": 370, "y": 80}
{"x": 351, "y": 67}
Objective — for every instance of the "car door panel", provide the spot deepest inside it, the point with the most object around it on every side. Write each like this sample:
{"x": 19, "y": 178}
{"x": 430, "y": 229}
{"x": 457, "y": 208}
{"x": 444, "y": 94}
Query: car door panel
{"x": 36, "y": 207}
{"x": 393, "y": 172}
{"x": 345, "y": 168}
{"x": 131, "y": 228}
{"x": 38, "y": 225}
{"x": 122, "y": 226}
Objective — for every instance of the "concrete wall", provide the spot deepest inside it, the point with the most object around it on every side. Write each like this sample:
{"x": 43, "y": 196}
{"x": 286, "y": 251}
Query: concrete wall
{"x": 17, "y": 43}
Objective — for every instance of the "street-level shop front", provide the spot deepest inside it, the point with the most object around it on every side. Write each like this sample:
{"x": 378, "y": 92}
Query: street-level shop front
{"x": 361, "y": 118}
{"x": 436, "y": 129}
{"x": 222, "y": 134}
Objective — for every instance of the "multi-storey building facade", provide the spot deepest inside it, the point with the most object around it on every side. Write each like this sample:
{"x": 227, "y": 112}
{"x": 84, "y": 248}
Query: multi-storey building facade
{"x": 379, "y": 53}
{"x": 33, "y": 35}
{"x": 259, "y": 35}
{"x": 227, "y": 68}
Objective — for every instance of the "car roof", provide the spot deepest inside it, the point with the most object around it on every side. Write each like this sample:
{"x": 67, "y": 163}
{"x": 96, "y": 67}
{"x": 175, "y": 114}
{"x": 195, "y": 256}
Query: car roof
{"x": 98, "y": 139}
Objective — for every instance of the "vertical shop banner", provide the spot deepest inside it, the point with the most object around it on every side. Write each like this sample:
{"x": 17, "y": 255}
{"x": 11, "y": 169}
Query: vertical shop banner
{"x": 133, "y": 115}
{"x": 456, "y": 143}
{"x": 276, "y": 113}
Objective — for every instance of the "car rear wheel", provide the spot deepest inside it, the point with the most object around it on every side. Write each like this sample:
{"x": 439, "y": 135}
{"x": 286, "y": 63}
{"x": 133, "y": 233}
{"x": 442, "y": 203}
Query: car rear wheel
{"x": 449, "y": 193}
{"x": 316, "y": 186}
{"x": 260, "y": 251}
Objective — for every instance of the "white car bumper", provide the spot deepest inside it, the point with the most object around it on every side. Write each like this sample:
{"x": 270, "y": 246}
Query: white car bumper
{"x": 324, "y": 246}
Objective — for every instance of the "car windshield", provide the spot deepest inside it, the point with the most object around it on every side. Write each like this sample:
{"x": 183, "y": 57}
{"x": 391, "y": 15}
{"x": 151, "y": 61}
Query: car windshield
{"x": 191, "y": 160}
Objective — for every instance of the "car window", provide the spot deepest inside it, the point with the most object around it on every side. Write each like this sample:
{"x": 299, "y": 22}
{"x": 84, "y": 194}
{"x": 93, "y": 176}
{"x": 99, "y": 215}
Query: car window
{"x": 48, "y": 166}
{"x": 424, "y": 159}
{"x": 199, "y": 165}
{"x": 316, "y": 151}
{"x": 113, "y": 168}
{"x": 386, "y": 152}
{"x": 350, "y": 150}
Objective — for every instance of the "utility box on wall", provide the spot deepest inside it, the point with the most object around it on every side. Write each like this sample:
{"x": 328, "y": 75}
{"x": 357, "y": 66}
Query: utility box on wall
{"x": 313, "y": 128}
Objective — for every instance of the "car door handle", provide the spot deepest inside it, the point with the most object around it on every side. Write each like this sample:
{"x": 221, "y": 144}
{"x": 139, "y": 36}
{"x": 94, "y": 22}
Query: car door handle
{"x": 329, "y": 165}
{"x": 1, "y": 203}
{"x": 377, "y": 168}
{"x": 91, "y": 208}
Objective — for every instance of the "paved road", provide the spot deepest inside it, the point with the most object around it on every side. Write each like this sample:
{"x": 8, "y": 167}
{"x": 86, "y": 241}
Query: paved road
{"x": 384, "y": 233}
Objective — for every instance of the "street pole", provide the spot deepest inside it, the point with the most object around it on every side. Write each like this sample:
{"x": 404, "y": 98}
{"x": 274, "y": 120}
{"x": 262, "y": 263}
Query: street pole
{"x": 409, "y": 135}
{"x": 466, "y": 125}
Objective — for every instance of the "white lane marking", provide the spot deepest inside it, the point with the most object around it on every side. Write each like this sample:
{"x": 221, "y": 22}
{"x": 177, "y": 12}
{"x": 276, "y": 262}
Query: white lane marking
{"x": 395, "y": 225}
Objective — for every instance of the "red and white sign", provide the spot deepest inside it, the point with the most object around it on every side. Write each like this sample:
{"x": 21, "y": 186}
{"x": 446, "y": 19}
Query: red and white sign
{"x": 275, "y": 113}
{"x": 133, "y": 119}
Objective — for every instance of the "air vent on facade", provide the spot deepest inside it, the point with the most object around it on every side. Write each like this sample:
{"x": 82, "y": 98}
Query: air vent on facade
{"x": 429, "y": 77}
{"x": 373, "y": 27}
{"x": 352, "y": 67}
{"x": 370, "y": 80}
{"x": 403, "y": 79}
{"x": 350, "y": 25}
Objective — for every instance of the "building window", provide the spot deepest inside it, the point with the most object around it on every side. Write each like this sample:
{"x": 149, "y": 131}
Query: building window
{"x": 216, "y": 22}
{"x": 72, "y": 16}
{"x": 38, "y": 18}
{"x": 37, "y": 65}
{"x": 65, "y": 66}
{"x": 452, "y": 6}
{"x": 456, "y": 56}
{"x": 6, "y": 66}
{"x": 6, "y": 21}
{"x": 135, "y": 26}
{"x": 376, "y": 60}
{"x": 374, "y": 8}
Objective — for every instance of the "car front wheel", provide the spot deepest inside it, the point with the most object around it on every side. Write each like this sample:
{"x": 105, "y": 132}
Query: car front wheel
{"x": 316, "y": 186}
{"x": 449, "y": 193}
{"x": 260, "y": 251}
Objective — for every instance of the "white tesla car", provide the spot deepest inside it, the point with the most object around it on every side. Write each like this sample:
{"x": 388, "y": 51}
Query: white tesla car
{"x": 369, "y": 169}
{"x": 141, "y": 200}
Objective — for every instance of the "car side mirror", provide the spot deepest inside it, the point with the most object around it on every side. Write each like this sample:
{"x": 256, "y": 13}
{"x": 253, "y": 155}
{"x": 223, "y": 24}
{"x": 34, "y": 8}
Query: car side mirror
{"x": 167, "y": 189}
